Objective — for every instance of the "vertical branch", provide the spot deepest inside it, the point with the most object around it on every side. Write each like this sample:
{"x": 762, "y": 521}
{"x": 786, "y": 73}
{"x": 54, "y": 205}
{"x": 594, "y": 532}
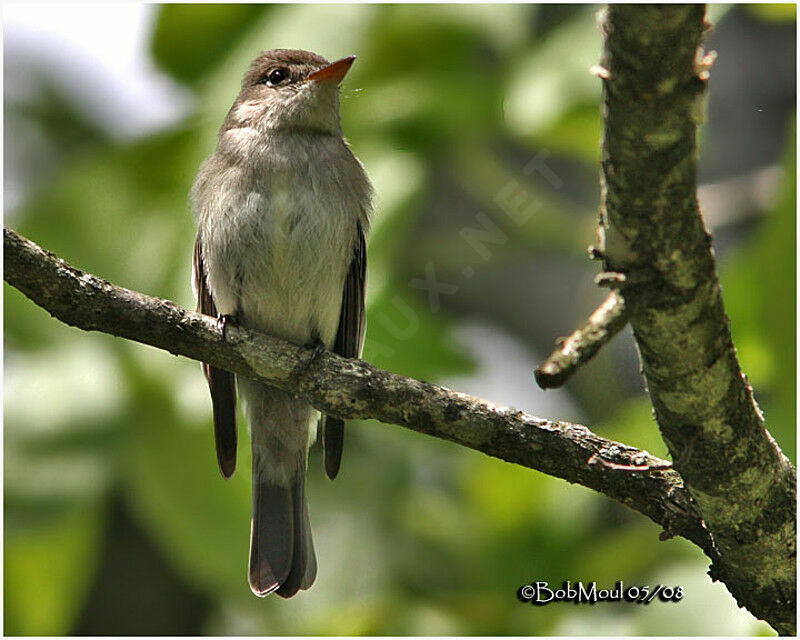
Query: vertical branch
{"x": 655, "y": 77}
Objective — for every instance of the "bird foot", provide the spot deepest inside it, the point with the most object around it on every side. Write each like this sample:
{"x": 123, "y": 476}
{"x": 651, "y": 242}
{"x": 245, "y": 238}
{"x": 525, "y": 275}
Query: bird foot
{"x": 223, "y": 319}
{"x": 318, "y": 349}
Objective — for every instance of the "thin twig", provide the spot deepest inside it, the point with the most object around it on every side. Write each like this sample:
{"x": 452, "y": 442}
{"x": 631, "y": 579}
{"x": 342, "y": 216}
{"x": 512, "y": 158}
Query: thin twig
{"x": 580, "y": 347}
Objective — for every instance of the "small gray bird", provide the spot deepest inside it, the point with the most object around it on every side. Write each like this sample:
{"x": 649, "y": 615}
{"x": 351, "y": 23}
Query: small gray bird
{"x": 282, "y": 209}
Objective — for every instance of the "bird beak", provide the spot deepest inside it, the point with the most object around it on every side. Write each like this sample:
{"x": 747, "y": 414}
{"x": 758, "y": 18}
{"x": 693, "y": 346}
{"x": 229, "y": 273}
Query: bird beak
{"x": 334, "y": 71}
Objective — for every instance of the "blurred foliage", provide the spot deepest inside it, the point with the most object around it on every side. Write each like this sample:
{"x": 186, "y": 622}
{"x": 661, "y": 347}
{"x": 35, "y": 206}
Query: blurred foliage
{"x": 776, "y": 12}
{"x": 759, "y": 290}
{"x": 213, "y": 28}
{"x": 416, "y": 536}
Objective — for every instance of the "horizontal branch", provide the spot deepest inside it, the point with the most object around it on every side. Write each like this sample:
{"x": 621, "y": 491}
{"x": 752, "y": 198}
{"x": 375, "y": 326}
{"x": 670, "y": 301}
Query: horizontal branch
{"x": 581, "y": 346}
{"x": 356, "y": 389}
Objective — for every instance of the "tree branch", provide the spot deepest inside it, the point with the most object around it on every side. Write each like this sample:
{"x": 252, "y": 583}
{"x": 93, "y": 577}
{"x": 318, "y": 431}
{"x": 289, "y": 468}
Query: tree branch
{"x": 654, "y": 84}
{"x": 356, "y": 389}
{"x": 573, "y": 352}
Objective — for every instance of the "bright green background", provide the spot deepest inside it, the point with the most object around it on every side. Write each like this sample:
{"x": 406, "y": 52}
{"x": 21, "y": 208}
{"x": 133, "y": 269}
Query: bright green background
{"x": 417, "y": 536}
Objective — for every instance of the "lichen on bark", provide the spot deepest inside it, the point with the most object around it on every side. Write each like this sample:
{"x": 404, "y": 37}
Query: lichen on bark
{"x": 651, "y": 226}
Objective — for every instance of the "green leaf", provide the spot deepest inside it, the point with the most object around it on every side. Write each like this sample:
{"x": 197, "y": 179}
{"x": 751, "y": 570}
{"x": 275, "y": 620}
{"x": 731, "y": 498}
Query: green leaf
{"x": 47, "y": 571}
{"x": 759, "y": 291}
{"x": 122, "y": 213}
{"x": 190, "y": 39}
{"x": 554, "y": 76}
{"x": 577, "y": 132}
{"x": 200, "y": 521}
{"x": 774, "y": 12}
{"x": 404, "y": 337}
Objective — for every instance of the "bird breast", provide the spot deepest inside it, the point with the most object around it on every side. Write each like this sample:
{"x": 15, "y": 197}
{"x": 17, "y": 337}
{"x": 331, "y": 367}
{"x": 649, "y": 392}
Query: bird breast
{"x": 279, "y": 253}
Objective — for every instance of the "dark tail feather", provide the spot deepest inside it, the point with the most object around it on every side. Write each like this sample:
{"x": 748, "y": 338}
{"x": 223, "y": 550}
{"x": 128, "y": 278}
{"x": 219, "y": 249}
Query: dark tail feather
{"x": 223, "y": 398}
{"x": 304, "y": 562}
{"x": 271, "y": 536}
{"x": 281, "y": 551}
{"x": 332, "y": 442}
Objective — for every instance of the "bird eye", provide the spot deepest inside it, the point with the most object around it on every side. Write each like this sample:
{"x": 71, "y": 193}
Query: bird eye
{"x": 275, "y": 77}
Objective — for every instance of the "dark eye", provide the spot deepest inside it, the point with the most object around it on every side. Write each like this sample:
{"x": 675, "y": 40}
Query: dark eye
{"x": 275, "y": 77}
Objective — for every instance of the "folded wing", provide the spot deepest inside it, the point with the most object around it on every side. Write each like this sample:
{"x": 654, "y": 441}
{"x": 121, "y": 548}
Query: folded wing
{"x": 349, "y": 342}
{"x": 222, "y": 384}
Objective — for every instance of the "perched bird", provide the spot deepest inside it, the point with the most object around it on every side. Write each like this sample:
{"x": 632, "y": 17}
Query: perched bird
{"x": 282, "y": 209}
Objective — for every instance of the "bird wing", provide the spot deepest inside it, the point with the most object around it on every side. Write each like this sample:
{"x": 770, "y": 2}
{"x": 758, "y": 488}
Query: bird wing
{"x": 222, "y": 384}
{"x": 349, "y": 342}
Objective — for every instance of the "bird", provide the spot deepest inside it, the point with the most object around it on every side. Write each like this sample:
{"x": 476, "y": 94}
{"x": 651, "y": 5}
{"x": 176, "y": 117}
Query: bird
{"x": 283, "y": 209}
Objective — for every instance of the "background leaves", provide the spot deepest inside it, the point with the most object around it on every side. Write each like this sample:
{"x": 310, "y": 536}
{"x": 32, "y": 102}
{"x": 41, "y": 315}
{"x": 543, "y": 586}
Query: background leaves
{"x": 116, "y": 519}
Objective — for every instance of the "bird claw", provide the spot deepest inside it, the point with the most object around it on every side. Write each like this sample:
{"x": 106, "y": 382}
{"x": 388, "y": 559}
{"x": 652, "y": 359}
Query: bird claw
{"x": 319, "y": 349}
{"x": 222, "y": 322}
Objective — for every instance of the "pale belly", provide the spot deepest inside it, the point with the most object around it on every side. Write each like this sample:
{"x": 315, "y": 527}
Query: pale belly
{"x": 278, "y": 264}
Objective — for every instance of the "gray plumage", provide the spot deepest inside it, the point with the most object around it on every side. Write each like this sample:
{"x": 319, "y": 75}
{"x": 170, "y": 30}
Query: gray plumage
{"x": 282, "y": 207}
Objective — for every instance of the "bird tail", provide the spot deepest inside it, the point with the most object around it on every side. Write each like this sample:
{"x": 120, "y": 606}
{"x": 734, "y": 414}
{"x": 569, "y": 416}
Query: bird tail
{"x": 281, "y": 549}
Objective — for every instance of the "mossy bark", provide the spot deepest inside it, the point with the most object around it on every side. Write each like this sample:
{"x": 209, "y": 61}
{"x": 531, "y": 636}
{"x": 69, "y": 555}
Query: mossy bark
{"x": 654, "y": 77}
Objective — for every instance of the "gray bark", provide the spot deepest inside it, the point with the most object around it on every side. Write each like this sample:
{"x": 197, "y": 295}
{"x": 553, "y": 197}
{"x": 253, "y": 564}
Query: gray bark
{"x": 355, "y": 389}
